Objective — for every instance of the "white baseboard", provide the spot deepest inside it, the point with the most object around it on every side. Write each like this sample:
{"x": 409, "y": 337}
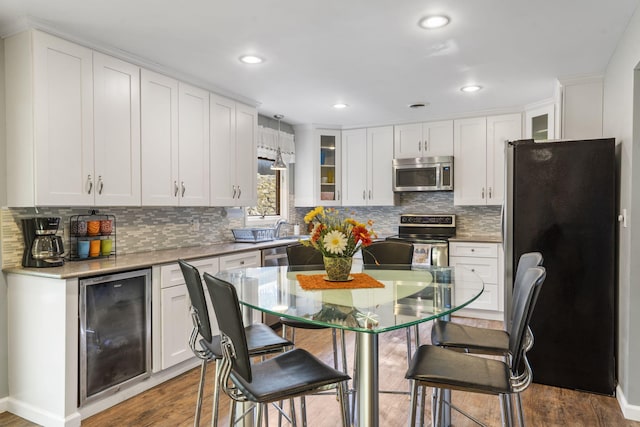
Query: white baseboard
{"x": 38, "y": 416}
{"x": 4, "y": 404}
{"x": 630, "y": 412}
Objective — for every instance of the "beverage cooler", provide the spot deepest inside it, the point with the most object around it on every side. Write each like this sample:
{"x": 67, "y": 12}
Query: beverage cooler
{"x": 115, "y": 332}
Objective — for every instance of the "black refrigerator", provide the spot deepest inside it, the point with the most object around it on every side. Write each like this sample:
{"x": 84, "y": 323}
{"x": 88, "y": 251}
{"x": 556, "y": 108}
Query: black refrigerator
{"x": 560, "y": 200}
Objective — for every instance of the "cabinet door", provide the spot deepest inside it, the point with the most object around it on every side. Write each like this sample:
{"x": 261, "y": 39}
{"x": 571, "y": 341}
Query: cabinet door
{"x": 328, "y": 144}
{"x": 540, "y": 123}
{"x": 354, "y": 168}
{"x": 379, "y": 169}
{"x": 159, "y": 139}
{"x": 193, "y": 142}
{"x": 500, "y": 129}
{"x": 408, "y": 141}
{"x": 63, "y": 123}
{"x": 176, "y": 325}
{"x": 223, "y": 151}
{"x": 117, "y": 131}
{"x": 246, "y": 159}
{"x": 470, "y": 167}
{"x": 438, "y": 138}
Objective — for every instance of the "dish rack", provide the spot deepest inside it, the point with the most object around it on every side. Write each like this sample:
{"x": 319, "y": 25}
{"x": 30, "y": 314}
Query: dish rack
{"x": 253, "y": 235}
{"x": 76, "y": 235}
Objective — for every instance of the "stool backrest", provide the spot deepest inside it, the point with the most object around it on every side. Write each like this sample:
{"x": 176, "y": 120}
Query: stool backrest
{"x": 198, "y": 302}
{"x": 530, "y": 285}
{"x": 300, "y": 255}
{"x": 226, "y": 306}
{"x": 387, "y": 252}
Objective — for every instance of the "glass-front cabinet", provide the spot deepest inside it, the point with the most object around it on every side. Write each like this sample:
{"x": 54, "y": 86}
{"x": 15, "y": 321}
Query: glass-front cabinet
{"x": 540, "y": 123}
{"x": 329, "y": 167}
{"x": 318, "y": 167}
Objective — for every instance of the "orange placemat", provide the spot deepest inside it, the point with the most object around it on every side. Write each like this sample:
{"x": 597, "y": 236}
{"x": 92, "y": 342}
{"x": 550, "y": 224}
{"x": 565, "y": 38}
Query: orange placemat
{"x": 315, "y": 282}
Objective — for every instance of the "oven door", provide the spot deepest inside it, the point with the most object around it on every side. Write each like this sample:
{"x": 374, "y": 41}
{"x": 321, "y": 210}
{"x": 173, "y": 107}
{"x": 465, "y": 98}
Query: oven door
{"x": 434, "y": 254}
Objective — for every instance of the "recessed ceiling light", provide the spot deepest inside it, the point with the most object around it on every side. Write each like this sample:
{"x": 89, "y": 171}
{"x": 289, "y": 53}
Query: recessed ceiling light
{"x": 434, "y": 21}
{"x": 471, "y": 88}
{"x": 251, "y": 59}
{"x": 340, "y": 106}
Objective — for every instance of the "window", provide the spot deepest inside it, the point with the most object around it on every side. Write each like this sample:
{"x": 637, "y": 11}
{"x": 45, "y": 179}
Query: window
{"x": 272, "y": 192}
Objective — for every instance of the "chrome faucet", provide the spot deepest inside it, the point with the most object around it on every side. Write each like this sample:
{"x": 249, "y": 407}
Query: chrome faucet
{"x": 277, "y": 226}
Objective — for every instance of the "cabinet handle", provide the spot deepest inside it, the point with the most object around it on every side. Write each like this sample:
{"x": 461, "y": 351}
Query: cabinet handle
{"x": 90, "y": 184}
{"x": 370, "y": 197}
{"x": 483, "y": 192}
{"x": 175, "y": 188}
{"x": 364, "y": 194}
{"x": 233, "y": 196}
{"x": 490, "y": 193}
{"x": 473, "y": 250}
{"x": 100, "y": 184}
{"x": 419, "y": 145}
{"x": 338, "y": 194}
{"x": 239, "y": 191}
{"x": 183, "y": 188}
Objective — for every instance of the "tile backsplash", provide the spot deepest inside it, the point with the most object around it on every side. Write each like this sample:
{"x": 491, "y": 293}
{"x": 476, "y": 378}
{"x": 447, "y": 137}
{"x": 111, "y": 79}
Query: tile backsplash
{"x": 141, "y": 229}
{"x": 138, "y": 229}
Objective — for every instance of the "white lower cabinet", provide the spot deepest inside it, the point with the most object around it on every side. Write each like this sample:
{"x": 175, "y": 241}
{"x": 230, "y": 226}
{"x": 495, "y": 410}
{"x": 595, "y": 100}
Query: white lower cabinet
{"x": 175, "y": 311}
{"x": 240, "y": 260}
{"x": 484, "y": 259}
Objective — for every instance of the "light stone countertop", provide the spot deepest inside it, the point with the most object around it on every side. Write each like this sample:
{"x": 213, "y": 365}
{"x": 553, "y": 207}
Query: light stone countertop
{"x": 99, "y": 266}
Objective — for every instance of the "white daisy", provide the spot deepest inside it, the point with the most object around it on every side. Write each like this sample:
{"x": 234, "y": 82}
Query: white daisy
{"x": 335, "y": 242}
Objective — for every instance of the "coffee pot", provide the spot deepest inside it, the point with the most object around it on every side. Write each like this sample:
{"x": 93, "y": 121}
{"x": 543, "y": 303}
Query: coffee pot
{"x": 42, "y": 247}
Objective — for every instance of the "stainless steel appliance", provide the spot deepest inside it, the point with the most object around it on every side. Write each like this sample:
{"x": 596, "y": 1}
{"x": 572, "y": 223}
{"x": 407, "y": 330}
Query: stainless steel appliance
{"x": 561, "y": 201}
{"x": 115, "y": 332}
{"x": 430, "y": 235}
{"x": 274, "y": 256}
{"x": 423, "y": 174}
{"x": 42, "y": 247}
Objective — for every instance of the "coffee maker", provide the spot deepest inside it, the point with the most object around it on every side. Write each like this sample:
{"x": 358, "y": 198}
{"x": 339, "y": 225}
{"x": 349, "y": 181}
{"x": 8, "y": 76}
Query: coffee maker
{"x": 42, "y": 248}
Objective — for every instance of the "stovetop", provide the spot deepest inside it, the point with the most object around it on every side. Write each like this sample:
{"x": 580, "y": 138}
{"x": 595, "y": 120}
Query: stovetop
{"x": 426, "y": 228}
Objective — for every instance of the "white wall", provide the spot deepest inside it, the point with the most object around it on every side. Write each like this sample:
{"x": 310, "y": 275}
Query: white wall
{"x": 4, "y": 383}
{"x": 623, "y": 123}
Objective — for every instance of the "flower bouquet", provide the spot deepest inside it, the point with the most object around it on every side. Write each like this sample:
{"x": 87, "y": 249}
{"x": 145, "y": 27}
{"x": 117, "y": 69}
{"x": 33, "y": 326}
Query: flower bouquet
{"x": 338, "y": 238}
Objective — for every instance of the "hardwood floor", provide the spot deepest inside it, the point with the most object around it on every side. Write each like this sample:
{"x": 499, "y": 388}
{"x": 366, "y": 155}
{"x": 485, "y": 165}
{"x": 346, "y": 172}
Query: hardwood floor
{"x": 173, "y": 402}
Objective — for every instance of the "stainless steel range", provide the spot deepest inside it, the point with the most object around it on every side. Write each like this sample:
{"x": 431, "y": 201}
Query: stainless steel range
{"x": 430, "y": 237}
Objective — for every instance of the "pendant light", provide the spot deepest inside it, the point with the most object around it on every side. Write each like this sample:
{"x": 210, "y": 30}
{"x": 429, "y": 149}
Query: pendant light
{"x": 279, "y": 164}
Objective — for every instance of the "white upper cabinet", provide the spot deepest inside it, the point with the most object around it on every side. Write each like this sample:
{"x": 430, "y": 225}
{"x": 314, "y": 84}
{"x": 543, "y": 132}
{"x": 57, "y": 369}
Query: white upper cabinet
{"x": 159, "y": 115}
{"x": 318, "y": 168}
{"x": 49, "y": 86}
{"x": 479, "y": 145}
{"x": 367, "y": 182}
{"x": 73, "y": 134}
{"x": 233, "y": 152}
{"x": 193, "y": 143}
{"x": 582, "y": 105}
{"x": 432, "y": 139}
{"x": 175, "y": 142}
{"x": 117, "y": 131}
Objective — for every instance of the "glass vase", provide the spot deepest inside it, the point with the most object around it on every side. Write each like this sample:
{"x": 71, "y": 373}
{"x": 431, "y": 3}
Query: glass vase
{"x": 337, "y": 268}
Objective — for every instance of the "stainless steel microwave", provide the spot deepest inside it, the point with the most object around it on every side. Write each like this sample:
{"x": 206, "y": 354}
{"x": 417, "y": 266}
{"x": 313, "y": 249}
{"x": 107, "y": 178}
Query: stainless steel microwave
{"x": 423, "y": 174}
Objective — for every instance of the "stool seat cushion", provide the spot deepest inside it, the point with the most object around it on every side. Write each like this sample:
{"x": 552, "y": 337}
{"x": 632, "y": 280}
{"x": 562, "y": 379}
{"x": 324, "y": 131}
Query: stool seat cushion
{"x": 261, "y": 339}
{"x": 475, "y": 340}
{"x": 295, "y": 372}
{"x": 443, "y": 368}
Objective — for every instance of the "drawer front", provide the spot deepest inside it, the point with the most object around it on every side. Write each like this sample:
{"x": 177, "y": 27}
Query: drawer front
{"x": 470, "y": 249}
{"x": 171, "y": 274}
{"x": 486, "y": 268}
{"x": 241, "y": 260}
{"x": 488, "y": 300}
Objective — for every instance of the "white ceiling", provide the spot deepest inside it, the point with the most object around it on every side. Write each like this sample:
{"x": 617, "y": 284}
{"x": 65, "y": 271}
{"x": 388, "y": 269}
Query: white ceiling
{"x": 369, "y": 54}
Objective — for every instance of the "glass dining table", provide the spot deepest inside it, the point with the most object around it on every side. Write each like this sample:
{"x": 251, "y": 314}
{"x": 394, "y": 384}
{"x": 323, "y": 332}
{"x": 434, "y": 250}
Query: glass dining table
{"x": 374, "y": 300}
